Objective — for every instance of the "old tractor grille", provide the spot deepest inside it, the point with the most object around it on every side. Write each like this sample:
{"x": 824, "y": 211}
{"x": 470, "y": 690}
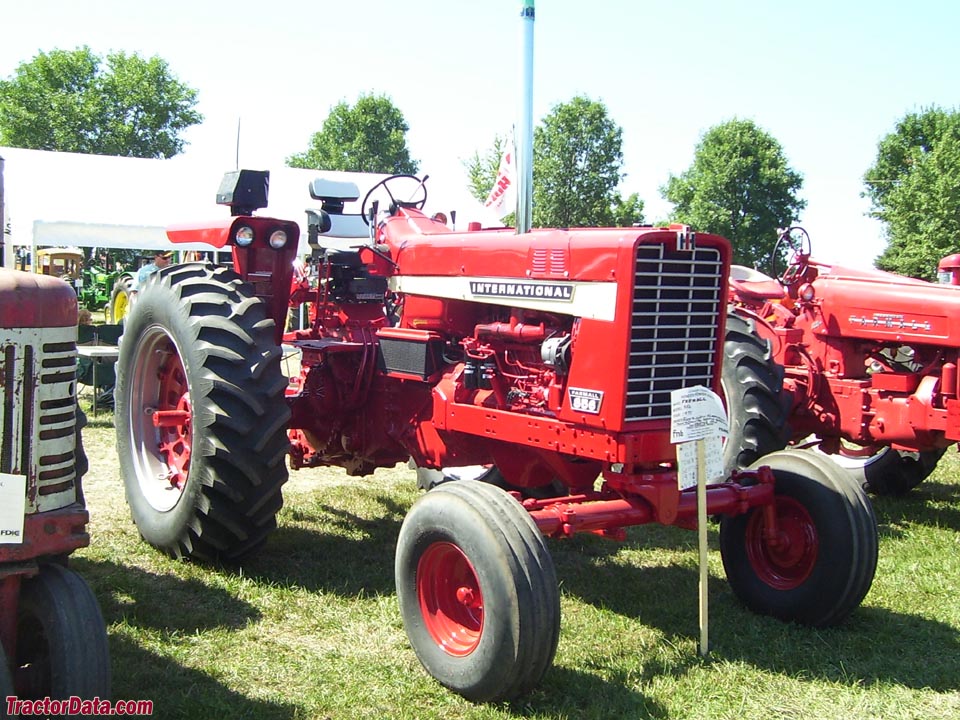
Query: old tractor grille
{"x": 673, "y": 337}
{"x": 38, "y": 413}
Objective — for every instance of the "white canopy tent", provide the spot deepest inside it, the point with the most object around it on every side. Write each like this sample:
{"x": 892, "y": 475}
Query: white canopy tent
{"x": 54, "y": 199}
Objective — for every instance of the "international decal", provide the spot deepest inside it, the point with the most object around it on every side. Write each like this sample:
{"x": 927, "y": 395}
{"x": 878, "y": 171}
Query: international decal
{"x": 560, "y": 292}
{"x": 890, "y": 321}
{"x": 585, "y": 401}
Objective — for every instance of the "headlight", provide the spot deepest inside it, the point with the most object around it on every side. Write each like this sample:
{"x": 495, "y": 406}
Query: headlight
{"x": 243, "y": 236}
{"x": 278, "y": 238}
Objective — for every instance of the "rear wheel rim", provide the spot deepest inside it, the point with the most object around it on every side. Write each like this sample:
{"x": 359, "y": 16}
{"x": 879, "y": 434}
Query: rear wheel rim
{"x": 161, "y": 419}
{"x": 786, "y": 562}
{"x": 451, "y": 602}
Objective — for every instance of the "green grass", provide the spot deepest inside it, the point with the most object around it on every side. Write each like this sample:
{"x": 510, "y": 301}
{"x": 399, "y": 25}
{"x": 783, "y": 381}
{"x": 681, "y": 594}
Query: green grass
{"x": 310, "y": 628}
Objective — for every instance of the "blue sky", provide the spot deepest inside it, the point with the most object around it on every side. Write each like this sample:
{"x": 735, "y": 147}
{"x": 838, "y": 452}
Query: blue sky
{"x": 826, "y": 79}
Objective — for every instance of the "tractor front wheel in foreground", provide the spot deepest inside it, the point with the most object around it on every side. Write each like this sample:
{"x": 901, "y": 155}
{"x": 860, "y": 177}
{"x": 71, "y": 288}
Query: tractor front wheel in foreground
{"x": 821, "y": 562}
{"x": 62, "y": 646}
{"x": 200, "y": 415}
{"x": 478, "y": 592}
{"x": 6, "y": 682}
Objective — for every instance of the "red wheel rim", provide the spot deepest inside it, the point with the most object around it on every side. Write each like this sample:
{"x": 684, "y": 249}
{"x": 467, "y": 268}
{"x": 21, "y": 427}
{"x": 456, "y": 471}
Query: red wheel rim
{"x": 786, "y": 561}
{"x": 451, "y": 602}
{"x": 173, "y": 418}
{"x": 160, "y": 419}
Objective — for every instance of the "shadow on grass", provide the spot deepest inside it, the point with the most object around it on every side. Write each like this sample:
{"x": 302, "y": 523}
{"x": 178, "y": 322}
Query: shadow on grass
{"x": 872, "y": 645}
{"x": 181, "y": 693}
{"x": 346, "y": 554}
{"x": 162, "y": 601}
{"x": 570, "y": 693}
{"x": 930, "y": 503}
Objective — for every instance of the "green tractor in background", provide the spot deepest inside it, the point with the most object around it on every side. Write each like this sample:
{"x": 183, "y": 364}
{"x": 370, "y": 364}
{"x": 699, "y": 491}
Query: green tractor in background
{"x": 100, "y": 281}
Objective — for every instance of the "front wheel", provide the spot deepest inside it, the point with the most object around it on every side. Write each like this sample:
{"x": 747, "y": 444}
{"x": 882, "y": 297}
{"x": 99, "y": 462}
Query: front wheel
{"x": 61, "y": 638}
{"x": 200, "y": 415}
{"x": 6, "y": 682}
{"x": 478, "y": 592}
{"x": 821, "y": 563}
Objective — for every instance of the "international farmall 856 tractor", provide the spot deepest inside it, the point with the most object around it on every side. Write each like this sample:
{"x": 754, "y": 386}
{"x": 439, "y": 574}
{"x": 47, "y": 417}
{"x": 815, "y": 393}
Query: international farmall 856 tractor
{"x": 53, "y": 642}
{"x": 549, "y": 356}
{"x": 870, "y": 361}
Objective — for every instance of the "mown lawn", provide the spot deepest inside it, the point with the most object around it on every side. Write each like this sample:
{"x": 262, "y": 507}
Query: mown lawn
{"x": 310, "y": 628}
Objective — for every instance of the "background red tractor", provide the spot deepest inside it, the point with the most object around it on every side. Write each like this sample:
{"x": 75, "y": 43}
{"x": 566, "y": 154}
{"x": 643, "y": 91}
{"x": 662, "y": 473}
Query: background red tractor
{"x": 53, "y": 642}
{"x": 870, "y": 361}
{"x": 548, "y": 355}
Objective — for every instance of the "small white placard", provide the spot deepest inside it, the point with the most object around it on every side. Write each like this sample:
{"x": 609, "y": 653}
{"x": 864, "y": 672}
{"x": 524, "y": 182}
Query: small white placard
{"x": 695, "y": 413}
{"x": 13, "y": 500}
{"x": 687, "y": 462}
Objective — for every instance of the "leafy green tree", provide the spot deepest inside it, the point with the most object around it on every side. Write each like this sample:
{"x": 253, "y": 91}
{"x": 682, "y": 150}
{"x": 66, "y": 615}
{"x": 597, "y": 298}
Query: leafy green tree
{"x": 370, "y": 136}
{"x": 577, "y": 157}
{"x": 482, "y": 172}
{"x": 74, "y": 101}
{"x": 628, "y": 211}
{"x": 914, "y": 187}
{"x": 739, "y": 186}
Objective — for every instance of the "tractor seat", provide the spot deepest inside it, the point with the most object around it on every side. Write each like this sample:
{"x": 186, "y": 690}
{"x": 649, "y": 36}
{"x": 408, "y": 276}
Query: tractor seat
{"x": 752, "y": 284}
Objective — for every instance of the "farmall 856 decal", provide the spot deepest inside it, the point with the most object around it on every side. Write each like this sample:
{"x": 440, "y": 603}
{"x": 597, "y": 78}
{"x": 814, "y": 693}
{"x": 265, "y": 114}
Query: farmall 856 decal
{"x": 585, "y": 401}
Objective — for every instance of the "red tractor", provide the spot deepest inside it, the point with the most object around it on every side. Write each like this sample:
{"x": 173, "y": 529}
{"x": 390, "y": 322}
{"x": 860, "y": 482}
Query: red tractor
{"x": 53, "y": 642}
{"x": 870, "y": 361}
{"x": 547, "y": 358}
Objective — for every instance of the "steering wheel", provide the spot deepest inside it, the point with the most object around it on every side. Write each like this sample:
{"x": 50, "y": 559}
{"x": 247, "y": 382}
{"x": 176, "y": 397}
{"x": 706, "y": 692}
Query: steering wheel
{"x": 385, "y": 185}
{"x": 795, "y": 243}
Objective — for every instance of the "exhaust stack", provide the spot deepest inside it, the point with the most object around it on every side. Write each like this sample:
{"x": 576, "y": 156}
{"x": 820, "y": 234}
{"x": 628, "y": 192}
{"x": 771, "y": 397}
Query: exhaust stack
{"x": 524, "y": 137}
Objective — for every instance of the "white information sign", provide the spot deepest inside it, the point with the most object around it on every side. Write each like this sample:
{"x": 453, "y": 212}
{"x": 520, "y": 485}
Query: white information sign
{"x": 698, "y": 424}
{"x": 687, "y": 461}
{"x": 13, "y": 499}
{"x": 695, "y": 413}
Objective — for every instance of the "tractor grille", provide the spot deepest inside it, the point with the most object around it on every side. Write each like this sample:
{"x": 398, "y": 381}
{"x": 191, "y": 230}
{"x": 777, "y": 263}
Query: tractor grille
{"x": 676, "y": 315}
{"x": 38, "y": 413}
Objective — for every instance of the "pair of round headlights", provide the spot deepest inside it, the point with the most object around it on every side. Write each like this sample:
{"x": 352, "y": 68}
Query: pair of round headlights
{"x": 244, "y": 237}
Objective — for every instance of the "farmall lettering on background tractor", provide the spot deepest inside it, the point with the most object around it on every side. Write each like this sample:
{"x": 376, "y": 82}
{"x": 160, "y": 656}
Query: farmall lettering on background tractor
{"x": 53, "y": 642}
{"x": 870, "y": 361}
{"x": 549, "y": 355}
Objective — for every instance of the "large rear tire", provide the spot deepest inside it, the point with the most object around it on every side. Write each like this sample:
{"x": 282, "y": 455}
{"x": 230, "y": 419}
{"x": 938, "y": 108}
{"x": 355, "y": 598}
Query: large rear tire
{"x": 62, "y": 648}
{"x": 891, "y": 472}
{"x": 428, "y": 479}
{"x": 200, "y": 415}
{"x": 478, "y": 592}
{"x": 824, "y": 561}
{"x": 751, "y": 382}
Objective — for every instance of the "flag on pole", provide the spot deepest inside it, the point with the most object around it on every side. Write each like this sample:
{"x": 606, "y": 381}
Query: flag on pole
{"x": 503, "y": 197}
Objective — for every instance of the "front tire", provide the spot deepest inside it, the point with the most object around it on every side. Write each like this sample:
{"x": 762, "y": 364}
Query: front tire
{"x": 6, "y": 683}
{"x": 826, "y": 557}
{"x": 751, "y": 382}
{"x": 200, "y": 415}
{"x": 478, "y": 592}
{"x": 62, "y": 646}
